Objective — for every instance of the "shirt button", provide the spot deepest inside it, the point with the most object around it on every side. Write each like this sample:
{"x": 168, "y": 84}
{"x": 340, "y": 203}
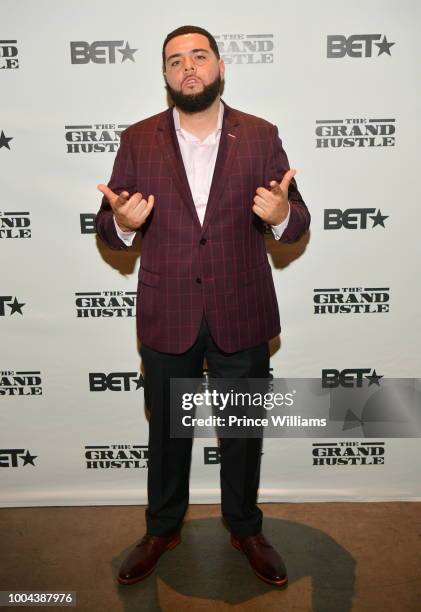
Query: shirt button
{"x": 203, "y": 241}
{"x": 198, "y": 280}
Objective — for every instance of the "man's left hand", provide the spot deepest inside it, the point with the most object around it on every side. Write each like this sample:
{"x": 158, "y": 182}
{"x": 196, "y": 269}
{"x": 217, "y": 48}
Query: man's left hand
{"x": 271, "y": 205}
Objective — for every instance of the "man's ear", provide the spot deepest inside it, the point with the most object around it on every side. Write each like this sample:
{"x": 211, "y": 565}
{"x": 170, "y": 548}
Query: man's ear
{"x": 222, "y": 68}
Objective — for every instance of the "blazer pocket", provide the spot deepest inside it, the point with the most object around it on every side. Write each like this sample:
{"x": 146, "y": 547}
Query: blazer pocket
{"x": 151, "y": 279}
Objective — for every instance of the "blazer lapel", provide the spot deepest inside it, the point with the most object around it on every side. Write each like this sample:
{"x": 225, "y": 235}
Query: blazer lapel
{"x": 228, "y": 144}
{"x": 168, "y": 143}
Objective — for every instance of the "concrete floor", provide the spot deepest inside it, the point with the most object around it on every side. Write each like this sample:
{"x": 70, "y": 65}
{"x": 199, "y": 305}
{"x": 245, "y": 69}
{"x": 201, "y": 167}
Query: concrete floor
{"x": 340, "y": 557}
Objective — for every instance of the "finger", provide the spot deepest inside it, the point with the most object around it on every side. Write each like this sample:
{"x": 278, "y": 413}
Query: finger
{"x": 261, "y": 202}
{"x": 275, "y": 188}
{"x": 133, "y": 202}
{"x": 110, "y": 195}
{"x": 125, "y": 205}
{"x": 133, "y": 213}
{"x": 147, "y": 207}
{"x": 136, "y": 198}
{"x": 121, "y": 200}
{"x": 263, "y": 192}
{"x": 259, "y": 211}
{"x": 287, "y": 178}
{"x": 115, "y": 200}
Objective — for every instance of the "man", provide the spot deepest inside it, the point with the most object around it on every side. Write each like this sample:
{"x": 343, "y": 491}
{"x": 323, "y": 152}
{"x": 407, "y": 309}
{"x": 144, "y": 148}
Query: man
{"x": 200, "y": 181}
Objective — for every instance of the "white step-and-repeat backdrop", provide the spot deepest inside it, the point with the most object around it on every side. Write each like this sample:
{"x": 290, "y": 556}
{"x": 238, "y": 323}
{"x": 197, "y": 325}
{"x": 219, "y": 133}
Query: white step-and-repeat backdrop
{"x": 341, "y": 82}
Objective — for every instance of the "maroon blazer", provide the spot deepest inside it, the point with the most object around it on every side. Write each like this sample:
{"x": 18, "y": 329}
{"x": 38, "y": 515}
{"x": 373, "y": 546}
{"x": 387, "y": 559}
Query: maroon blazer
{"x": 220, "y": 269}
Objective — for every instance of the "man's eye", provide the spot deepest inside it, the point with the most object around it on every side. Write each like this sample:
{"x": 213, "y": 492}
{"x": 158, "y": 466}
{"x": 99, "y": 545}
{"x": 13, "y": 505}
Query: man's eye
{"x": 175, "y": 63}
{"x": 200, "y": 57}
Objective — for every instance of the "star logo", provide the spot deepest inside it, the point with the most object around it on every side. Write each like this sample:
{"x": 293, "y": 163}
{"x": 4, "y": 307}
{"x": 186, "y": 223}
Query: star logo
{"x": 28, "y": 458}
{"x": 16, "y": 306}
{"x": 127, "y": 53}
{"x": 378, "y": 218}
{"x": 374, "y": 378}
{"x": 384, "y": 46}
{"x": 4, "y": 140}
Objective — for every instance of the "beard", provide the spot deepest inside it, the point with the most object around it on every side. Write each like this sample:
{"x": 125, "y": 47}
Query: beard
{"x": 194, "y": 103}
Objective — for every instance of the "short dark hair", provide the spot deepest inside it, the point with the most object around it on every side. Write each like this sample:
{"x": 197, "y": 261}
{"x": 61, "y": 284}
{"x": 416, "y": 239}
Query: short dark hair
{"x": 187, "y": 29}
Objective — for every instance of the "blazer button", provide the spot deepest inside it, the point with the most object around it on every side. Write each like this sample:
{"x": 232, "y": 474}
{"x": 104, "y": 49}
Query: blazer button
{"x": 203, "y": 241}
{"x": 198, "y": 280}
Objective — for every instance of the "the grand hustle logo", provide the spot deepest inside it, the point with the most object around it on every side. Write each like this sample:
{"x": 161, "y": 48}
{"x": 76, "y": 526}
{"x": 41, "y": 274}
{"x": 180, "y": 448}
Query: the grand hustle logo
{"x": 96, "y": 304}
{"x": 358, "y": 133}
{"x": 99, "y": 456}
{"x": 9, "y": 59}
{"x": 348, "y": 453}
{"x": 15, "y": 225}
{"x": 93, "y": 137}
{"x": 245, "y": 48}
{"x": 101, "y": 52}
{"x": 20, "y": 383}
{"x": 358, "y": 45}
{"x": 351, "y": 300}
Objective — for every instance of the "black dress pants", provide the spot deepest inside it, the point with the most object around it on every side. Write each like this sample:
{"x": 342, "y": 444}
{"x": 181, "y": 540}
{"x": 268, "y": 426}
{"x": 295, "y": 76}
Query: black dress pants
{"x": 169, "y": 458}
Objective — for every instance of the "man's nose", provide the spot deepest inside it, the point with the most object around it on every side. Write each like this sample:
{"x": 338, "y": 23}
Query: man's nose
{"x": 189, "y": 64}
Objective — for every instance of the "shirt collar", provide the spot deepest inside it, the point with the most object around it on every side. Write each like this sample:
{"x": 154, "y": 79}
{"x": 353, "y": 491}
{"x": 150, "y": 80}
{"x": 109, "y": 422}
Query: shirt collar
{"x": 188, "y": 135}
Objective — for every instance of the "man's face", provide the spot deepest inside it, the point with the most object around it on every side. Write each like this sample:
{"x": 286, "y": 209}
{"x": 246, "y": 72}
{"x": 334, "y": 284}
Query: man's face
{"x": 193, "y": 73}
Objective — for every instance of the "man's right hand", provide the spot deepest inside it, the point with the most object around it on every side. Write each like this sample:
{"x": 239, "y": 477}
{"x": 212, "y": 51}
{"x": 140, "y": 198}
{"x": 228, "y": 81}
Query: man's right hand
{"x": 130, "y": 213}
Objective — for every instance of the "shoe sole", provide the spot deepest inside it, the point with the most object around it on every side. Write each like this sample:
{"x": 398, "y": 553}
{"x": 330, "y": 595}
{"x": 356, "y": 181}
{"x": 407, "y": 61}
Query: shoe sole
{"x": 170, "y": 546}
{"x": 282, "y": 582}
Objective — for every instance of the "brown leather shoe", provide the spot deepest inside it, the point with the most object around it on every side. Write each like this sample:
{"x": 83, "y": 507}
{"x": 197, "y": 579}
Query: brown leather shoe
{"x": 266, "y": 563}
{"x": 142, "y": 560}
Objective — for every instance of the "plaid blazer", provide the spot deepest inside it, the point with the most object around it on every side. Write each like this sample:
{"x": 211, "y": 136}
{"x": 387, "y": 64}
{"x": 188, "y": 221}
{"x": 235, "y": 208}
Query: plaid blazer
{"x": 220, "y": 269}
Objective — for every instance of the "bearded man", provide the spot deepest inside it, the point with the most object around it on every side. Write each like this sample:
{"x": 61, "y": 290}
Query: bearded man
{"x": 200, "y": 182}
